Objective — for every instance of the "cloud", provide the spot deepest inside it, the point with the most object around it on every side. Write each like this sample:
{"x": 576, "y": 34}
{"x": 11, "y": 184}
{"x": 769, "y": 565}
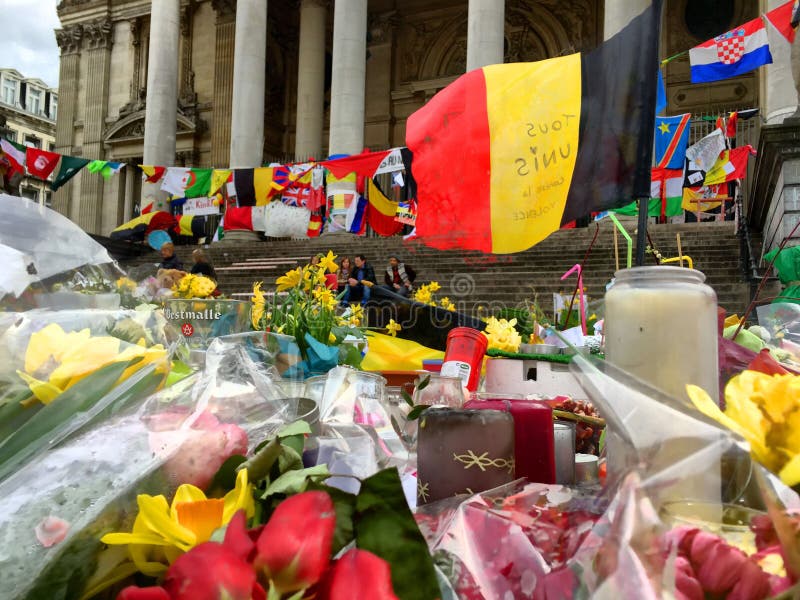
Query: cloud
{"x": 29, "y": 41}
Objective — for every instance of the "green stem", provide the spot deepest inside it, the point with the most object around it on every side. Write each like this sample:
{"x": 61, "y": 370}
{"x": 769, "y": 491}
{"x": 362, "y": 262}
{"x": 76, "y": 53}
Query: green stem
{"x": 561, "y": 414}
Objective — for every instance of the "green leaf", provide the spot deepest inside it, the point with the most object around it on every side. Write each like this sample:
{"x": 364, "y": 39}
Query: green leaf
{"x": 294, "y": 482}
{"x": 345, "y": 506}
{"x": 225, "y": 477}
{"x": 407, "y": 397}
{"x": 417, "y": 411}
{"x": 54, "y": 420}
{"x": 288, "y": 460}
{"x": 424, "y": 383}
{"x": 350, "y": 355}
{"x": 296, "y": 428}
{"x": 602, "y": 442}
{"x": 260, "y": 464}
{"x": 385, "y": 526}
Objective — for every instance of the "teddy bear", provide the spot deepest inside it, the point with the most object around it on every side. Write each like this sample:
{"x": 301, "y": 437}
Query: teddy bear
{"x": 167, "y": 278}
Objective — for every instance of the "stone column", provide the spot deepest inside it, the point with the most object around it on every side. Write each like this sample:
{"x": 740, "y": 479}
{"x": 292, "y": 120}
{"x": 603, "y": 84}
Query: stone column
{"x": 311, "y": 80}
{"x": 778, "y": 91}
{"x": 619, "y": 13}
{"x": 249, "y": 80}
{"x": 223, "y": 81}
{"x": 161, "y": 111}
{"x": 127, "y": 206}
{"x": 69, "y": 40}
{"x": 349, "y": 77}
{"x": 485, "y": 33}
{"x": 97, "y": 44}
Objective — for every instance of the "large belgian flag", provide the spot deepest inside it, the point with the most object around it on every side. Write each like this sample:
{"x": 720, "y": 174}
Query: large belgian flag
{"x": 508, "y": 153}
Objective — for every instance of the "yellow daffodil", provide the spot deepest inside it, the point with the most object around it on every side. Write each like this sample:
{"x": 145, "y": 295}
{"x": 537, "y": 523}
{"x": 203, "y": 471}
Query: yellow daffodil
{"x": 423, "y": 295}
{"x": 328, "y": 263}
{"x": 289, "y": 280}
{"x": 162, "y": 532}
{"x": 201, "y": 287}
{"x": 502, "y": 335}
{"x": 434, "y": 286}
{"x": 325, "y": 297}
{"x": 765, "y": 410}
{"x": 320, "y": 278}
{"x": 258, "y": 306}
{"x": 125, "y": 284}
{"x": 392, "y": 328}
{"x": 331, "y": 338}
{"x": 356, "y": 311}
{"x": 63, "y": 359}
{"x": 446, "y": 304}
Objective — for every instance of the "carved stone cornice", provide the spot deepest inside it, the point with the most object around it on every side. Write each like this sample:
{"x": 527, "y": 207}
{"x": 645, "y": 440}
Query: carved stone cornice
{"x": 69, "y": 39}
{"x": 136, "y": 30}
{"x": 380, "y": 26}
{"x": 225, "y": 9}
{"x": 187, "y": 12}
{"x": 97, "y": 33}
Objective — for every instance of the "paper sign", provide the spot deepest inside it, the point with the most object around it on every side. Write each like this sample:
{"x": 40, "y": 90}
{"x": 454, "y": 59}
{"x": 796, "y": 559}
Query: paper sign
{"x": 696, "y": 177}
{"x": 200, "y": 206}
{"x": 392, "y": 162}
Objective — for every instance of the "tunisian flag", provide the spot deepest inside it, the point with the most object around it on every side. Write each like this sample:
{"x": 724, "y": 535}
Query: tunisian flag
{"x": 41, "y": 163}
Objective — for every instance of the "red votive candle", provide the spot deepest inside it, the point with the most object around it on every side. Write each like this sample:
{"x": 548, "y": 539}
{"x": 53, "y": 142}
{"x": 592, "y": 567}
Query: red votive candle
{"x": 464, "y": 355}
{"x": 534, "y": 446}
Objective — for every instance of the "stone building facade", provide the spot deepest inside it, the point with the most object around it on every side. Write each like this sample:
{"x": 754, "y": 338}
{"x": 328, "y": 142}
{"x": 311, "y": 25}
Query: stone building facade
{"x": 335, "y": 76}
{"x": 28, "y": 110}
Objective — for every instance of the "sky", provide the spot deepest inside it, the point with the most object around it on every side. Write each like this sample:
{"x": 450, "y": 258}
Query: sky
{"x": 28, "y": 43}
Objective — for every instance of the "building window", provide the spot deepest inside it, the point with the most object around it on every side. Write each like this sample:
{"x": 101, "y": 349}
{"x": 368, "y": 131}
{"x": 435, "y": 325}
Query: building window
{"x": 32, "y": 141}
{"x": 29, "y": 193}
{"x": 10, "y": 91}
{"x": 706, "y": 19}
{"x": 53, "y": 108}
{"x": 48, "y": 199}
{"x": 8, "y": 133}
{"x": 34, "y": 103}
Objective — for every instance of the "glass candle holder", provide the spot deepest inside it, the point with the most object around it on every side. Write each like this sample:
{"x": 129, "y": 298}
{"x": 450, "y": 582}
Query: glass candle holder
{"x": 463, "y": 452}
{"x": 661, "y": 326}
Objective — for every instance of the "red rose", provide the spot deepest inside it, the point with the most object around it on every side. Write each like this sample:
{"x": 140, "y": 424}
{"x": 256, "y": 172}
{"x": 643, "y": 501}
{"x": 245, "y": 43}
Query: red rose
{"x": 358, "y": 575}
{"x": 208, "y": 572}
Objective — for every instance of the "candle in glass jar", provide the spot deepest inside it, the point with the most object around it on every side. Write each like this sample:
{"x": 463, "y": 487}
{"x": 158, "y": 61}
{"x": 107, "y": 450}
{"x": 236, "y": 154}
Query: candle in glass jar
{"x": 661, "y": 326}
{"x": 534, "y": 456}
{"x": 463, "y": 451}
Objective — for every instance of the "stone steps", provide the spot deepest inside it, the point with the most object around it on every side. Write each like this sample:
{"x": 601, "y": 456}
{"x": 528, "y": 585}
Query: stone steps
{"x": 472, "y": 278}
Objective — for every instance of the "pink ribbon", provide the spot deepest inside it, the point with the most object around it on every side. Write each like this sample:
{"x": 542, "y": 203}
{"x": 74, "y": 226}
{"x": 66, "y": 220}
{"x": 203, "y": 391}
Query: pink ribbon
{"x": 580, "y": 294}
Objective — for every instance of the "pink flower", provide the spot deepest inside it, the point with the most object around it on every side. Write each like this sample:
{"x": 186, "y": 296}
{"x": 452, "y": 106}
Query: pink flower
{"x": 51, "y": 531}
{"x": 358, "y": 575}
{"x": 294, "y": 548}
{"x": 720, "y": 571}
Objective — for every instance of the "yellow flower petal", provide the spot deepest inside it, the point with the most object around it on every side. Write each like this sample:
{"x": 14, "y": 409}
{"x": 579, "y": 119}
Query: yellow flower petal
{"x": 201, "y": 517}
{"x": 45, "y": 392}
{"x": 155, "y": 514}
{"x": 123, "y": 539}
{"x": 42, "y": 346}
{"x": 328, "y": 263}
{"x": 84, "y": 359}
{"x": 790, "y": 473}
{"x": 185, "y": 493}
{"x": 239, "y": 498}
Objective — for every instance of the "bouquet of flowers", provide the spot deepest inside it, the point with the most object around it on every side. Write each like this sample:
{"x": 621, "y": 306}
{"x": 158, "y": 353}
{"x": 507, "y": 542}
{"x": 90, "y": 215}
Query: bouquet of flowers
{"x": 307, "y": 312}
{"x": 194, "y": 286}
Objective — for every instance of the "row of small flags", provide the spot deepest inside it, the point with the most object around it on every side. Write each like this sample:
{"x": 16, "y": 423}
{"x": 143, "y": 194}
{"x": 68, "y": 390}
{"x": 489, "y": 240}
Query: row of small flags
{"x": 16, "y": 158}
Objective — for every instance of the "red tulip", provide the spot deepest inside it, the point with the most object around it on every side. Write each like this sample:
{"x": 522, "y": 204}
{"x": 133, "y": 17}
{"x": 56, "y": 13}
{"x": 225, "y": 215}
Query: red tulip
{"x": 237, "y": 538}
{"x": 208, "y": 572}
{"x": 149, "y": 593}
{"x": 720, "y": 571}
{"x": 358, "y": 575}
{"x": 293, "y": 550}
{"x": 688, "y": 587}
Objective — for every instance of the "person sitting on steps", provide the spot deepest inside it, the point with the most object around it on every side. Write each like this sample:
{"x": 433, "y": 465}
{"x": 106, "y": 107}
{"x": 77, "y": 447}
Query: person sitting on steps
{"x": 360, "y": 283}
{"x": 399, "y": 277}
